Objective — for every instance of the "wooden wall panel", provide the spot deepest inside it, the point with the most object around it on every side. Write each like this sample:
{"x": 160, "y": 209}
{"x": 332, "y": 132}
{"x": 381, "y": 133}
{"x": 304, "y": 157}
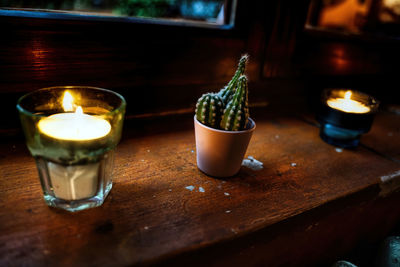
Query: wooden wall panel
{"x": 161, "y": 68}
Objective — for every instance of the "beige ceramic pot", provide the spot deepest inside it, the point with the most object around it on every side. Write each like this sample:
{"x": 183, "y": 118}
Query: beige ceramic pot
{"x": 220, "y": 153}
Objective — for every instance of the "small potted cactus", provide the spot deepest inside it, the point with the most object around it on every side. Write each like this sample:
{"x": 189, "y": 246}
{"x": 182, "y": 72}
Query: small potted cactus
{"x": 223, "y": 128}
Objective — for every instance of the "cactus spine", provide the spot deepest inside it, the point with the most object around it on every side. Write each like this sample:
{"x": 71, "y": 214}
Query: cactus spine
{"x": 236, "y": 113}
{"x": 209, "y": 110}
{"x": 227, "y": 92}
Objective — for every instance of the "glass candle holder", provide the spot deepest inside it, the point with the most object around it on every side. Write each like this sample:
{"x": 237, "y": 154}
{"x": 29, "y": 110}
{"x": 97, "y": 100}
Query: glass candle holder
{"x": 345, "y": 115}
{"x": 72, "y": 132}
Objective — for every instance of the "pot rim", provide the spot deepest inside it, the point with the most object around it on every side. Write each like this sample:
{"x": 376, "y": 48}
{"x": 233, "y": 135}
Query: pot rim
{"x": 224, "y": 131}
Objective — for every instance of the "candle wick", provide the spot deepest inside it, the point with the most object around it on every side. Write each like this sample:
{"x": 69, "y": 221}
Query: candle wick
{"x": 347, "y": 95}
{"x": 79, "y": 110}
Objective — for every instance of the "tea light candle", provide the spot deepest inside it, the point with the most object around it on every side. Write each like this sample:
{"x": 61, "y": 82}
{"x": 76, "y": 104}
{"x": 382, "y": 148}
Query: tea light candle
{"x": 76, "y": 181}
{"x": 75, "y": 126}
{"x": 347, "y": 104}
{"x": 344, "y": 115}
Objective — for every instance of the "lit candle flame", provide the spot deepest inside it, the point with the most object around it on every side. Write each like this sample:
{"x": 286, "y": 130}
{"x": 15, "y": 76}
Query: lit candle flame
{"x": 68, "y": 104}
{"x": 347, "y": 95}
{"x": 68, "y": 101}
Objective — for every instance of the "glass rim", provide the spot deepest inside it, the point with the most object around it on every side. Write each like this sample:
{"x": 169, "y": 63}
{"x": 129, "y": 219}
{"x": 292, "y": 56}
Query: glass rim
{"x": 27, "y": 112}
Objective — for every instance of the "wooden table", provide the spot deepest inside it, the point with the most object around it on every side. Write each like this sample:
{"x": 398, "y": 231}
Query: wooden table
{"x": 310, "y": 203}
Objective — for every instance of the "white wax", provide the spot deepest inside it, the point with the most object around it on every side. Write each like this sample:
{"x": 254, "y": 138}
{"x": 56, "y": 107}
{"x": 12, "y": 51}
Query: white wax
{"x": 74, "y": 126}
{"x": 348, "y": 105}
{"x": 74, "y": 182}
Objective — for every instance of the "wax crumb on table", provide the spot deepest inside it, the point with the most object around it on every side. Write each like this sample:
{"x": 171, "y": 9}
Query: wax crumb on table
{"x": 228, "y": 211}
{"x": 339, "y": 150}
{"x": 391, "y": 176}
{"x": 201, "y": 189}
{"x": 226, "y": 194}
{"x": 190, "y": 187}
{"x": 293, "y": 164}
{"x": 252, "y": 163}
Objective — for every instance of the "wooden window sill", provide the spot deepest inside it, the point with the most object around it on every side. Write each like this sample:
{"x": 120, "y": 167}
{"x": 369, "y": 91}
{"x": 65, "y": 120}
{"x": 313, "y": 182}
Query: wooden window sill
{"x": 308, "y": 196}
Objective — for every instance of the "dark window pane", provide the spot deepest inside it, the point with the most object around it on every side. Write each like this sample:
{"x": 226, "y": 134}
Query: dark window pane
{"x": 210, "y": 11}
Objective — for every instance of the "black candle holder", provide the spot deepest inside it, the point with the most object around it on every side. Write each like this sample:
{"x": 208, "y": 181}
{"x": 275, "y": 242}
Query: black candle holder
{"x": 341, "y": 128}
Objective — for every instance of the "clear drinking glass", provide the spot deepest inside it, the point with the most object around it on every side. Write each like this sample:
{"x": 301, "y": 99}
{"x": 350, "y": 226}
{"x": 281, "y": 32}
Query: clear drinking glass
{"x": 75, "y": 173}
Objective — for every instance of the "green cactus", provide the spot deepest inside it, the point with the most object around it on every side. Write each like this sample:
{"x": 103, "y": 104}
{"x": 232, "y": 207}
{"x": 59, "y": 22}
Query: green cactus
{"x": 228, "y": 109}
{"x": 236, "y": 113}
{"x": 227, "y": 92}
{"x": 209, "y": 110}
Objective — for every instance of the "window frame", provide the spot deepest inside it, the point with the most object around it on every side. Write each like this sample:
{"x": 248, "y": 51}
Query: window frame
{"x": 62, "y": 15}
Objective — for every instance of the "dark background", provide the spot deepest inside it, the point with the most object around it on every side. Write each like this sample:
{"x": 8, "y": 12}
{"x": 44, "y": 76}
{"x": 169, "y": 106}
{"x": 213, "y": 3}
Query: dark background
{"x": 164, "y": 68}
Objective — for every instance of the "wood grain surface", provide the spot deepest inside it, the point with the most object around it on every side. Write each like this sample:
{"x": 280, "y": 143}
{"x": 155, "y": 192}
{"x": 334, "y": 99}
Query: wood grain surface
{"x": 151, "y": 216}
{"x": 385, "y": 135}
